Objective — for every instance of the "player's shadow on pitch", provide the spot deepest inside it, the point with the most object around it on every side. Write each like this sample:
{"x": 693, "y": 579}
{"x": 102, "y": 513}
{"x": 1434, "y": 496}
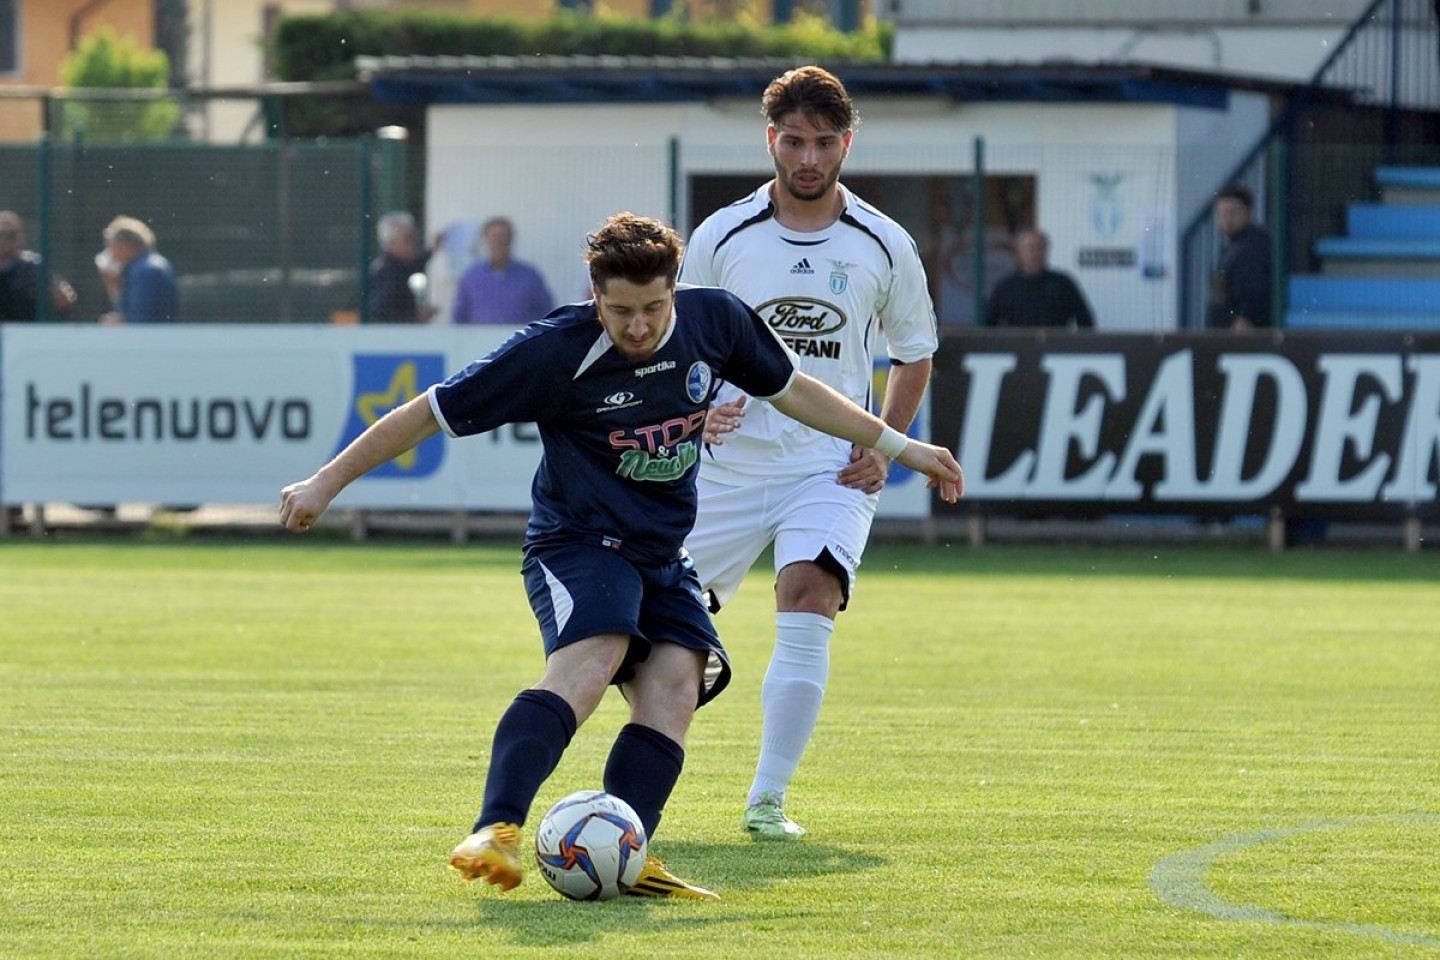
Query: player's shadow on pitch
{"x": 730, "y": 869}
{"x": 751, "y": 865}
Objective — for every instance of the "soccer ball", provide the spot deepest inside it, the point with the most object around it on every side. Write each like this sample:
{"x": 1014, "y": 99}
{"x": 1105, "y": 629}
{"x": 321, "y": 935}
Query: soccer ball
{"x": 591, "y": 846}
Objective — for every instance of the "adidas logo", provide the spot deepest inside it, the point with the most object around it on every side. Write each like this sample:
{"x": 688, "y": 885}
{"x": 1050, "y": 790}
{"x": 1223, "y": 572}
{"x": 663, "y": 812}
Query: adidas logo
{"x": 802, "y": 267}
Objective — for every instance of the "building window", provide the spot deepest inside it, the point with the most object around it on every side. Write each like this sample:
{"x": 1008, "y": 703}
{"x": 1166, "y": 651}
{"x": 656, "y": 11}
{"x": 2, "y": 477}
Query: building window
{"x": 9, "y": 36}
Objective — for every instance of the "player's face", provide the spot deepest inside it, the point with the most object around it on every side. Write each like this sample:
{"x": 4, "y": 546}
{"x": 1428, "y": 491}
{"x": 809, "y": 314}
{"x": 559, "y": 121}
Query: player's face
{"x": 636, "y": 316}
{"x": 808, "y": 155}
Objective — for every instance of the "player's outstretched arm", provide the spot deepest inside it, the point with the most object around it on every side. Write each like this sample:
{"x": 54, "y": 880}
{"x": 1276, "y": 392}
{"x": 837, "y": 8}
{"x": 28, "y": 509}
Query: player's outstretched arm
{"x": 821, "y": 408}
{"x": 869, "y": 469}
{"x": 403, "y": 428}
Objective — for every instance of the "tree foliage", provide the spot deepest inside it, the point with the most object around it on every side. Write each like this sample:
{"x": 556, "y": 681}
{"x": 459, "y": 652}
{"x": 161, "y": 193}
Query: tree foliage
{"x": 105, "y": 61}
{"x": 324, "y": 46}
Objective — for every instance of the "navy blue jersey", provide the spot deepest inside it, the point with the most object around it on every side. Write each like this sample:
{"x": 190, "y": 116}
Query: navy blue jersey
{"x": 620, "y": 438}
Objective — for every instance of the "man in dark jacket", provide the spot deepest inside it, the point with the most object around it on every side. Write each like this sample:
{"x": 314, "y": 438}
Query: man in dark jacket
{"x": 1035, "y": 295}
{"x": 1240, "y": 287}
{"x": 20, "y": 276}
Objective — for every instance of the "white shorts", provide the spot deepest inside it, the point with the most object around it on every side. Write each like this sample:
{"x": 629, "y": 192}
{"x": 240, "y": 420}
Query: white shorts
{"x": 803, "y": 516}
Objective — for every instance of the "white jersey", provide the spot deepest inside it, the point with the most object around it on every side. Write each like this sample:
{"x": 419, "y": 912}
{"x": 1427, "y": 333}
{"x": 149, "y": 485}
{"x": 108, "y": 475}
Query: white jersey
{"x": 828, "y": 295}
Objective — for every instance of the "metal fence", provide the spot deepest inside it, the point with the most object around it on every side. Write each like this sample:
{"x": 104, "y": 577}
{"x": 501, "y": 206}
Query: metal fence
{"x": 274, "y": 232}
{"x": 1375, "y": 100}
{"x": 259, "y": 227}
{"x": 282, "y": 231}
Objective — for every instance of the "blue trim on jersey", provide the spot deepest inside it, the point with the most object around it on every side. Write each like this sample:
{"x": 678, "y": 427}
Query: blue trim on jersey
{"x": 621, "y": 439}
{"x": 758, "y": 218}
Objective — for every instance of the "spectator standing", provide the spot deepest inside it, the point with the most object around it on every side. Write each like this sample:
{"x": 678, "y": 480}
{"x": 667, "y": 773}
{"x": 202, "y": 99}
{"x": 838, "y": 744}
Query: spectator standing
{"x": 1035, "y": 295}
{"x": 1240, "y": 288}
{"x": 141, "y": 282}
{"x": 500, "y": 289}
{"x": 20, "y": 276}
{"x": 396, "y": 296}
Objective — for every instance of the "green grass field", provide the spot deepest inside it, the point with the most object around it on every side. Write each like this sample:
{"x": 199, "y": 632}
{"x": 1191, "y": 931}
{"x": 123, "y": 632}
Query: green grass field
{"x": 266, "y": 749}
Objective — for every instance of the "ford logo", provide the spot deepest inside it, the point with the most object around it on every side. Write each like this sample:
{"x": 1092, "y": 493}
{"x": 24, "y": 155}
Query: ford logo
{"x": 801, "y": 316}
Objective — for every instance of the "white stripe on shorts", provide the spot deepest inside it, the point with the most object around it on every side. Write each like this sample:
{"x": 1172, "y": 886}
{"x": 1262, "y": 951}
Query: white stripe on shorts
{"x": 560, "y": 600}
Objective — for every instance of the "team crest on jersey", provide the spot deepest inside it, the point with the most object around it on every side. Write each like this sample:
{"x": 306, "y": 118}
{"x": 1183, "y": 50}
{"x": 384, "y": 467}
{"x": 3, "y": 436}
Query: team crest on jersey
{"x": 838, "y": 282}
{"x": 697, "y": 382}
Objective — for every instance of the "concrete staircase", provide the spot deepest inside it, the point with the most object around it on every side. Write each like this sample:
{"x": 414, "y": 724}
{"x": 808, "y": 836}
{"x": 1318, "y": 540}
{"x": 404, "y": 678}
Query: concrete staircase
{"x": 1384, "y": 274}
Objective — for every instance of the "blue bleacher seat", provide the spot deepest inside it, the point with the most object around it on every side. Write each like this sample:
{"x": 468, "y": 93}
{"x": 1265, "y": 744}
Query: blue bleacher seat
{"x": 1365, "y": 293}
{"x": 1389, "y": 220}
{"x": 1419, "y": 178}
{"x": 1385, "y": 273}
{"x": 1379, "y": 248}
{"x": 1361, "y": 320}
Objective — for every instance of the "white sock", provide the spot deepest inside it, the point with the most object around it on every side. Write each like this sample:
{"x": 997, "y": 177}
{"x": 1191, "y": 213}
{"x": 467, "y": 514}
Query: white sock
{"x": 790, "y": 697}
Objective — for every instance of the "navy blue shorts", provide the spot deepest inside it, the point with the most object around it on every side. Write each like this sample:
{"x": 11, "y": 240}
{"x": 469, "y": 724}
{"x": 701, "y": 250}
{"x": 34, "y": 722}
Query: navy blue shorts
{"x": 579, "y": 591}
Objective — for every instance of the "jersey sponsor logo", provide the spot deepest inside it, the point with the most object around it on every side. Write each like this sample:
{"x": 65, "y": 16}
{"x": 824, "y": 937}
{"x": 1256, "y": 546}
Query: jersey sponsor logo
{"x": 384, "y": 381}
{"x": 810, "y": 347}
{"x": 805, "y": 324}
{"x": 660, "y": 367}
{"x": 801, "y": 316}
{"x": 802, "y": 266}
{"x": 639, "y": 465}
{"x": 697, "y": 381}
{"x": 658, "y": 451}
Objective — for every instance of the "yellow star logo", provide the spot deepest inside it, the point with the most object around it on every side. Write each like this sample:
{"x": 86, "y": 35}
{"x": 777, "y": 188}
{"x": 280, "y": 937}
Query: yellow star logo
{"x": 373, "y": 406}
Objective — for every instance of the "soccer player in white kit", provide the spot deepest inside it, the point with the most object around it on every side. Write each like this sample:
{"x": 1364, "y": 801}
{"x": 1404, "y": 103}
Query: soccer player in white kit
{"x": 829, "y": 273}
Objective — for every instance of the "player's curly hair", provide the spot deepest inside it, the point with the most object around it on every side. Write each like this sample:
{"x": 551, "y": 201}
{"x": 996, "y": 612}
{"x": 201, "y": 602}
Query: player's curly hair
{"x": 633, "y": 248}
{"x": 816, "y": 92}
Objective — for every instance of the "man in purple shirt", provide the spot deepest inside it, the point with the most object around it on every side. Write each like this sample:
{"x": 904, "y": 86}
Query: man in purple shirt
{"x": 499, "y": 289}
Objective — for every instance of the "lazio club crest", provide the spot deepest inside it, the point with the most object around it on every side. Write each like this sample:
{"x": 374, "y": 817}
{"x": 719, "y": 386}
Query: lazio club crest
{"x": 838, "y": 282}
{"x": 1105, "y": 213}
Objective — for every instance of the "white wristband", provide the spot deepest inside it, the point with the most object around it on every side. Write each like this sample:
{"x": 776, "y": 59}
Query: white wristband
{"x": 892, "y": 442}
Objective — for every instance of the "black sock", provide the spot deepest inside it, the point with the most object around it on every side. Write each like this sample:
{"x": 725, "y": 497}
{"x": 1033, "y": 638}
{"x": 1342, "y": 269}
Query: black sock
{"x": 643, "y": 767}
{"x": 529, "y": 740}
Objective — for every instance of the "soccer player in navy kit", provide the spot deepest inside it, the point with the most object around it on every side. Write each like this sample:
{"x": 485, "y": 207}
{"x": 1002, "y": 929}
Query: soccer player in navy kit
{"x": 618, "y": 388}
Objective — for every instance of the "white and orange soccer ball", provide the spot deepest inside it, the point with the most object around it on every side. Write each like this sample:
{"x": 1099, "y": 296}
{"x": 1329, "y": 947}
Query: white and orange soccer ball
{"x": 591, "y": 846}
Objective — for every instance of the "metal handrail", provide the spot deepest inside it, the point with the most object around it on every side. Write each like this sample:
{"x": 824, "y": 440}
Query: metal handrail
{"x": 1251, "y": 169}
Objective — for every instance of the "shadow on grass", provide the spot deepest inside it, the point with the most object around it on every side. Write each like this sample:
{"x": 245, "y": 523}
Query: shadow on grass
{"x": 728, "y": 868}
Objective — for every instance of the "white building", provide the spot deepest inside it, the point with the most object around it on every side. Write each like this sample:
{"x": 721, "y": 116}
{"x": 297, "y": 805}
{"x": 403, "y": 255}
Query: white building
{"x": 1108, "y": 161}
{"x": 1280, "y": 39}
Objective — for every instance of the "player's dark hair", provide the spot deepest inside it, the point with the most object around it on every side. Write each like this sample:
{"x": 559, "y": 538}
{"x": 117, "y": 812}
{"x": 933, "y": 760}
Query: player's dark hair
{"x": 1238, "y": 192}
{"x": 816, "y": 92}
{"x": 633, "y": 248}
